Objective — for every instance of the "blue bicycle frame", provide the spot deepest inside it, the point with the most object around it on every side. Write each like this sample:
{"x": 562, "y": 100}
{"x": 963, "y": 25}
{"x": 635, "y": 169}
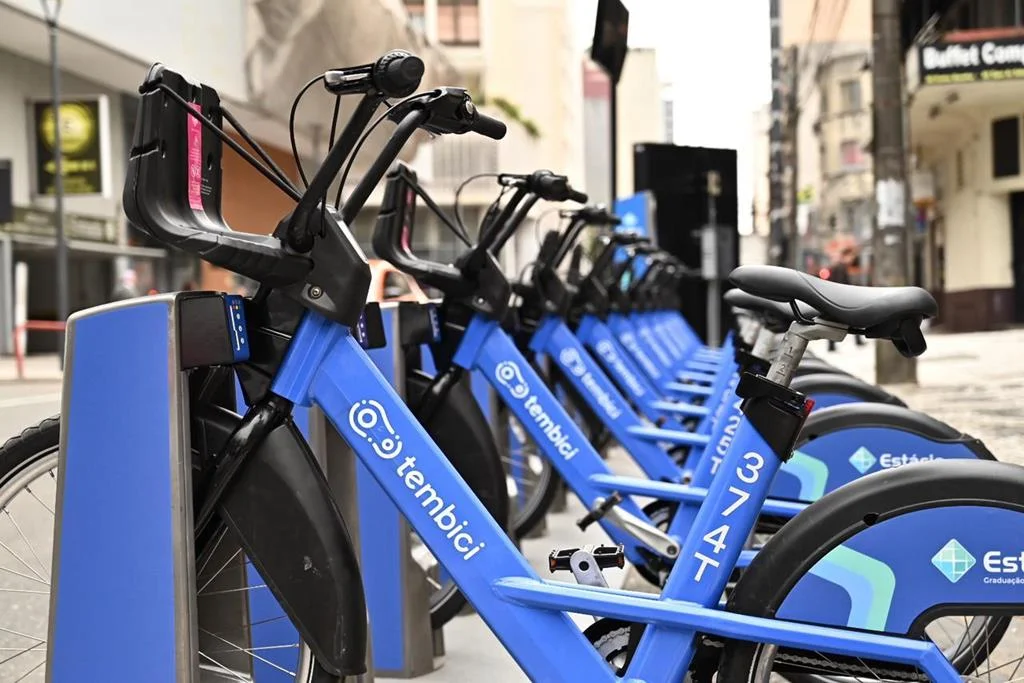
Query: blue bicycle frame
{"x": 631, "y": 379}
{"x": 326, "y": 366}
{"x": 554, "y": 338}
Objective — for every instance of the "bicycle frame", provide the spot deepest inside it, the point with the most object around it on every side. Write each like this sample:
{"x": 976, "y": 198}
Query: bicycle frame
{"x": 595, "y": 335}
{"x": 554, "y": 339}
{"x": 326, "y": 366}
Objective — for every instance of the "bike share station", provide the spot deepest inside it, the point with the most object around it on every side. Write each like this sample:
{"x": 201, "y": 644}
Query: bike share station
{"x": 152, "y": 437}
{"x": 124, "y": 561}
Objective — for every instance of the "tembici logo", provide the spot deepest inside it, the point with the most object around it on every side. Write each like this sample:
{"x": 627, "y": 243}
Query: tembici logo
{"x": 510, "y": 376}
{"x": 370, "y": 422}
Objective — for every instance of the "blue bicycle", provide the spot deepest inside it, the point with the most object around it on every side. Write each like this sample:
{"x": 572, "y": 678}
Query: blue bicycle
{"x": 846, "y": 588}
{"x": 593, "y": 308}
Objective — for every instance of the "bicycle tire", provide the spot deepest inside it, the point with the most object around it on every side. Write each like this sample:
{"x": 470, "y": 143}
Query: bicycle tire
{"x": 530, "y": 512}
{"x": 38, "y": 442}
{"x": 834, "y": 518}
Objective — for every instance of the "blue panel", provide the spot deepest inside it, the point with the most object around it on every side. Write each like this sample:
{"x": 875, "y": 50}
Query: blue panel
{"x": 379, "y": 537}
{"x": 826, "y": 400}
{"x": 117, "y": 505}
{"x": 635, "y": 212}
{"x": 839, "y": 457}
{"x": 900, "y": 568}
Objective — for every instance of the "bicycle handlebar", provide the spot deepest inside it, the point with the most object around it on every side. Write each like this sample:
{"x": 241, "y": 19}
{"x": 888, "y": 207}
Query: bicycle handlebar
{"x": 440, "y": 111}
{"x": 396, "y": 74}
{"x": 173, "y": 191}
{"x": 489, "y": 127}
{"x": 389, "y": 245}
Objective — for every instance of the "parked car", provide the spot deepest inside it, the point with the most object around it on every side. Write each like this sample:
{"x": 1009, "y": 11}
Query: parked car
{"x": 387, "y": 283}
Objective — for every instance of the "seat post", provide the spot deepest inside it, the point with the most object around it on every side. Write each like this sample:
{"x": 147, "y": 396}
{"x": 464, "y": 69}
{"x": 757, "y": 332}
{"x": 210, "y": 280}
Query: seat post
{"x": 794, "y": 344}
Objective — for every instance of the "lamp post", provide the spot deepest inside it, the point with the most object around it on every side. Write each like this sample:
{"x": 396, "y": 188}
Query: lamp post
{"x": 51, "y": 11}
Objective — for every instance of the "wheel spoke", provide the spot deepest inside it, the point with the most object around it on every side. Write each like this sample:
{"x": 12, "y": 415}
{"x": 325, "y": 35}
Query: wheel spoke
{"x": 237, "y": 648}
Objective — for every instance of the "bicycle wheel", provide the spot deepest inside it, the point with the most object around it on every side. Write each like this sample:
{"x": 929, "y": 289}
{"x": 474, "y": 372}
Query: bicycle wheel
{"x": 531, "y": 481}
{"x": 226, "y": 651}
{"x": 978, "y": 640}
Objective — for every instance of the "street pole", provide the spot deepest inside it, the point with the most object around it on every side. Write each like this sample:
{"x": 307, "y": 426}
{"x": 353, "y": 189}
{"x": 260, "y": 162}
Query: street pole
{"x": 714, "y": 188}
{"x": 792, "y": 133}
{"x": 776, "y": 159}
{"x": 52, "y": 12}
{"x": 613, "y": 122}
{"x": 891, "y": 238}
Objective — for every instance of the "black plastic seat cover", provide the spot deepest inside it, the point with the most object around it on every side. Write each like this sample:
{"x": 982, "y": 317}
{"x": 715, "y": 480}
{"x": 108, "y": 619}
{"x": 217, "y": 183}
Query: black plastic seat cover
{"x": 860, "y": 308}
{"x": 737, "y": 298}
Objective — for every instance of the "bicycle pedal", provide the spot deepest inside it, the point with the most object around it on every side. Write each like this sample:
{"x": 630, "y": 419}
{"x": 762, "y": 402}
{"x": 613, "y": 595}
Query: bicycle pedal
{"x": 605, "y": 556}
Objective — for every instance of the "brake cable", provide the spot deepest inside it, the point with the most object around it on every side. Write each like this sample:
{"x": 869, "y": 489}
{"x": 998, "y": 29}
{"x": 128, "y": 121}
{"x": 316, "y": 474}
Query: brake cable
{"x": 291, "y": 128}
{"x": 458, "y": 193}
{"x": 282, "y": 183}
{"x": 359, "y": 144}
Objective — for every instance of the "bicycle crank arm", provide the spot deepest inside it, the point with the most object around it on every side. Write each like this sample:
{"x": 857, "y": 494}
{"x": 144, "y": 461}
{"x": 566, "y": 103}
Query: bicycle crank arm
{"x": 651, "y": 536}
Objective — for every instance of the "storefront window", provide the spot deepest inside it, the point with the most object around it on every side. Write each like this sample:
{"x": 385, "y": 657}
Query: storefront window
{"x": 975, "y": 14}
{"x": 1006, "y": 147}
{"x": 417, "y": 14}
{"x": 458, "y": 22}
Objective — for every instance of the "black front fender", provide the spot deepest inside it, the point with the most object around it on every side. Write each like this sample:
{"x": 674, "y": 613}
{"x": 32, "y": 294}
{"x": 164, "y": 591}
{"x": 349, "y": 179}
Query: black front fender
{"x": 283, "y": 515}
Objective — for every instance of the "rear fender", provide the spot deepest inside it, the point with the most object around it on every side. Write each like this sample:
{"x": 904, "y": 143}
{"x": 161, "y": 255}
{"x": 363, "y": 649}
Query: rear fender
{"x": 831, "y": 383}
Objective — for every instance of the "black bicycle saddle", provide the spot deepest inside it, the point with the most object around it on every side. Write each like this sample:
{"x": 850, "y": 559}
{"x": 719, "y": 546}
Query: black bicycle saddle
{"x": 893, "y": 313}
{"x": 737, "y": 298}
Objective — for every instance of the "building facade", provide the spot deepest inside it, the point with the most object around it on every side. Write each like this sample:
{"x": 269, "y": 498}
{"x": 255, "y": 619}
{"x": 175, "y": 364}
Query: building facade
{"x": 843, "y": 212}
{"x": 536, "y": 91}
{"x": 826, "y": 139}
{"x": 965, "y": 81}
{"x": 643, "y": 116}
{"x": 256, "y": 54}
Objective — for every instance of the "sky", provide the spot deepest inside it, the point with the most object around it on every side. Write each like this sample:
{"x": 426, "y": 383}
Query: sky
{"x": 715, "y": 56}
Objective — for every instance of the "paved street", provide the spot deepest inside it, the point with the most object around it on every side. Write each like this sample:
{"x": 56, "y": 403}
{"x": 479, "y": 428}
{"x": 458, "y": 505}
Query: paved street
{"x": 973, "y": 382}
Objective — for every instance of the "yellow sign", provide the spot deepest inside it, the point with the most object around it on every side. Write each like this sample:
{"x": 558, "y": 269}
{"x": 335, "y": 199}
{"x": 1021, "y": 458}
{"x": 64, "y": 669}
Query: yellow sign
{"x": 81, "y": 142}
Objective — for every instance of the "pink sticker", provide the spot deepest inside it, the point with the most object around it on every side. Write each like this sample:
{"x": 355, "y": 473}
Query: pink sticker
{"x": 195, "y": 161}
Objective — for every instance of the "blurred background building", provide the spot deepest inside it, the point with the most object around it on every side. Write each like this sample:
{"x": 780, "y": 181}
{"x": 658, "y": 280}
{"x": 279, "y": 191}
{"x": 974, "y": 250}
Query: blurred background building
{"x": 827, "y": 129}
{"x": 644, "y": 115}
{"x": 258, "y": 54}
{"x": 965, "y": 82}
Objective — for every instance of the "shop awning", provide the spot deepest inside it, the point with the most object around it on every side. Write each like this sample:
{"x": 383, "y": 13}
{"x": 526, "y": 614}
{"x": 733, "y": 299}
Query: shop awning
{"x": 87, "y": 247}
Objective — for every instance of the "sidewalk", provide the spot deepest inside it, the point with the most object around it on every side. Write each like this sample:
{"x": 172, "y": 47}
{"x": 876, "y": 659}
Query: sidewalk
{"x": 472, "y": 653}
{"x": 39, "y": 368}
{"x": 973, "y": 382}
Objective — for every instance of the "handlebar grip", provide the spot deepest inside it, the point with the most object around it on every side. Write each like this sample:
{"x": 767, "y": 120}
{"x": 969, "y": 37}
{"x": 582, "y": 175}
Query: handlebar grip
{"x": 398, "y": 73}
{"x": 489, "y": 127}
{"x": 577, "y": 196}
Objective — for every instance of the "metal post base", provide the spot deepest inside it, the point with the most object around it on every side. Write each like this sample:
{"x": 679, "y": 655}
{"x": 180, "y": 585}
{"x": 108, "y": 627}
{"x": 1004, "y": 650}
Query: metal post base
{"x": 397, "y": 591}
{"x": 124, "y": 502}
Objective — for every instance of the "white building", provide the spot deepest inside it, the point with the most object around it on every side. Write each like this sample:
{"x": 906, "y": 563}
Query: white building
{"x": 255, "y": 54}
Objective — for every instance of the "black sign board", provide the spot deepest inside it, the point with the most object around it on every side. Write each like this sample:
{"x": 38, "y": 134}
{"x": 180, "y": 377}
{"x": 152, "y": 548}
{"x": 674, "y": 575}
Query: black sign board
{"x": 82, "y": 140}
{"x": 611, "y": 33}
{"x": 972, "y": 61}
